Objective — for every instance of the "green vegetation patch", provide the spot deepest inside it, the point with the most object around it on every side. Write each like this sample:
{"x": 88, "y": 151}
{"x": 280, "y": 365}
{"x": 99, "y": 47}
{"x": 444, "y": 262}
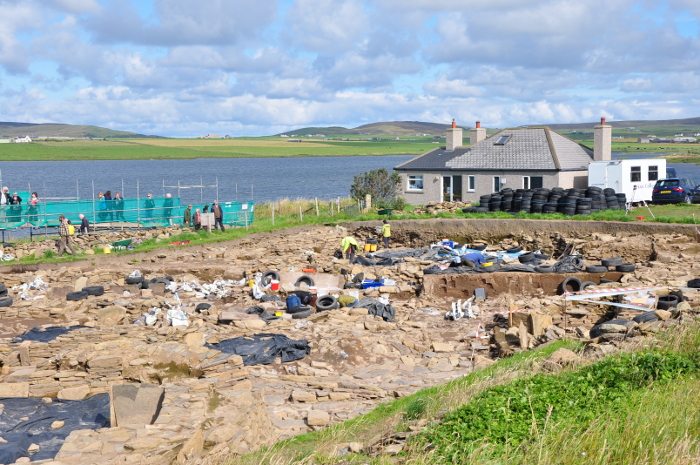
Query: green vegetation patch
{"x": 508, "y": 415}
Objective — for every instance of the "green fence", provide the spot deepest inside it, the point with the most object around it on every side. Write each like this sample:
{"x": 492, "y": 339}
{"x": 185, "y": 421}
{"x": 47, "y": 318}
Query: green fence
{"x": 158, "y": 211}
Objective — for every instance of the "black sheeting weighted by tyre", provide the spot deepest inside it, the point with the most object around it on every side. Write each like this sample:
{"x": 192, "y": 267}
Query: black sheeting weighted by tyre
{"x": 269, "y": 276}
{"x": 19, "y": 432}
{"x": 302, "y": 315}
{"x": 644, "y": 317}
{"x": 264, "y": 348}
{"x": 596, "y": 332}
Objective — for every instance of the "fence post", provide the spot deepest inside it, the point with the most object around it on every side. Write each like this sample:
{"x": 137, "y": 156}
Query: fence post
{"x": 272, "y": 208}
{"x": 317, "y": 207}
{"x": 301, "y": 217}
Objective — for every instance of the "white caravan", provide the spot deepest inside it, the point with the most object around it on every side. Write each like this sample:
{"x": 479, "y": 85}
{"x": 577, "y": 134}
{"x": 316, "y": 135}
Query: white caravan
{"x": 636, "y": 178}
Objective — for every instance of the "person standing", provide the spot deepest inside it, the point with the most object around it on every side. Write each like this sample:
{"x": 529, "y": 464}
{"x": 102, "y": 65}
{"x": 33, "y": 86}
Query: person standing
{"x": 119, "y": 206}
{"x": 4, "y": 201}
{"x": 218, "y": 215}
{"x": 149, "y": 205}
{"x": 168, "y": 209}
{"x": 386, "y": 233}
{"x": 101, "y": 206}
{"x": 84, "y": 224}
{"x": 16, "y": 208}
{"x": 64, "y": 242}
{"x": 109, "y": 205}
{"x": 33, "y": 208}
{"x": 350, "y": 246}
{"x": 187, "y": 217}
{"x": 197, "y": 220}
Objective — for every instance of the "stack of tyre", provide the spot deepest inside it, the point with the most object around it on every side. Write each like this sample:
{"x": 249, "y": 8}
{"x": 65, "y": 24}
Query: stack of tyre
{"x": 611, "y": 264}
{"x": 569, "y": 202}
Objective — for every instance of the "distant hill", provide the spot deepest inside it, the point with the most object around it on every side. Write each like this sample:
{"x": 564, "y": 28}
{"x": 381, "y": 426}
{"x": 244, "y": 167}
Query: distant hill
{"x": 397, "y": 128}
{"x": 663, "y": 123}
{"x": 62, "y": 130}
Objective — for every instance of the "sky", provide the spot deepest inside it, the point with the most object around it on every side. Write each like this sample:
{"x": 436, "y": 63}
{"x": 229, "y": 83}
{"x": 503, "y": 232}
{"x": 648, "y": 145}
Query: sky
{"x": 183, "y": 68}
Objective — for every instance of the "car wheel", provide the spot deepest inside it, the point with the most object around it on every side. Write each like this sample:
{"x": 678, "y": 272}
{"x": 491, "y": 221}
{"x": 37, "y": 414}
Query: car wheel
{"x": 688, "y": 199}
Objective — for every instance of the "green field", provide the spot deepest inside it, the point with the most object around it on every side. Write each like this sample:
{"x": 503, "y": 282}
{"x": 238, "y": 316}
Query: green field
{"x": 139, "y": 149}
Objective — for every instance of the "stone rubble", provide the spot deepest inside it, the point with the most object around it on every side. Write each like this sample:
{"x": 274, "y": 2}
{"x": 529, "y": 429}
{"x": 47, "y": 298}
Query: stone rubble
{"x": 214, "y": 406}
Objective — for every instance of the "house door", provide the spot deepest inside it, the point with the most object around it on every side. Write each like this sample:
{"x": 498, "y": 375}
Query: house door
{"x": 451, "y": 188}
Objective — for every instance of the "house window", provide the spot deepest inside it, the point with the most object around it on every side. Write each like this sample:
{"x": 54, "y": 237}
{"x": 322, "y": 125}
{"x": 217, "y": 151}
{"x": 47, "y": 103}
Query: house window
{"x": 496, "y": 183}
{"x": 501, "y": 140}
{"x": 451, "y": 188}
{"x": 471, "y": 183}
{"x": 653, "y": 173}
{"x": 636, "y": 174}
{"x": 415, "y": 182}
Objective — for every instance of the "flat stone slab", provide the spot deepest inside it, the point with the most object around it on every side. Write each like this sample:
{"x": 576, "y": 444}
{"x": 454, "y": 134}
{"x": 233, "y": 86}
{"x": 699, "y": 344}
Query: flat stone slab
{"x": 136, "y": 404}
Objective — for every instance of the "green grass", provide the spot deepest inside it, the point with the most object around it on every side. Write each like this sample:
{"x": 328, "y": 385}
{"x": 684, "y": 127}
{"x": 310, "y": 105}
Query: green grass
{"x": 132, "y": 149}
{"x": 317, "y": 447}
{"x": 637, "y": 407}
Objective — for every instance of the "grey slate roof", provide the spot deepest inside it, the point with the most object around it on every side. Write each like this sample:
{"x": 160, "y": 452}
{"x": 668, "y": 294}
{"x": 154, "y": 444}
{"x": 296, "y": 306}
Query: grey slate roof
{"x": 526, "y": 149}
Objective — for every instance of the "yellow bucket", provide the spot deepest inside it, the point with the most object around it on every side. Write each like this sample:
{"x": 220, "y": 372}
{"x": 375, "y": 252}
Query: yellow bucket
{"x": 107, "y": 249}
{"x": 372, "y": 247}
{"x": 368, "y": 247}
{"x": 278, "y": 313}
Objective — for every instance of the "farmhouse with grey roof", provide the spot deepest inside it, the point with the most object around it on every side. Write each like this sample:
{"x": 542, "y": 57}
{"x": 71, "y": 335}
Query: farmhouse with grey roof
{"x": 519, "y": 158}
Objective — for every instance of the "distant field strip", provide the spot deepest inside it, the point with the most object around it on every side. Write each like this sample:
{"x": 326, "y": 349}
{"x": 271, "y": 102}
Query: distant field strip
{"x": 135, "y": 149}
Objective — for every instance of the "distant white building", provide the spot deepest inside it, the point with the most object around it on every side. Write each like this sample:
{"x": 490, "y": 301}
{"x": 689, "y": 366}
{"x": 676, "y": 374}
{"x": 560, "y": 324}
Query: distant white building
{"x": 691, "y": 140}
{"x": 211, "y": 136}
{"x": 22, "y": 140}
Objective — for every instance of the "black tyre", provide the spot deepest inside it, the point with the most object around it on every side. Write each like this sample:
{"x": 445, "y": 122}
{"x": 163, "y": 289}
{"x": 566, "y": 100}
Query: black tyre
{"x": 644, "y": 317}
{"x": 144, "y": 285}
{"x": 301, "y": 315}
{"x": 94, "y": 290}
{"x": 596, "y": 332}
{"x": 544, "y": 269}
{"x": 667, "y": 301}
{"x": 586, "y": 284}
{"x": 6, "y": 302}
{"x": 2, "y": 287}
{"x": 327, "y": 302}
{"x": 478, "y": 247}
{"x": 469, "y": 210}
{"x": 570, "y": 284}
{"x": 133, "y": 279}
{"x": 605, "y": 281}
{"x": 514, "y": 249}
{"x": 80, "y": 295}
{"x": 596, "y": 269}
{"x": 541, "y": 256}
{"x": 304, "y": 279}
{"x": 269, "y": 276}
{"x": 3, "y": 293}
{"x": 694, "y": 283}
{"x": 202, "y": 307}
{"x": 626, "y": 267}
{"x": 299, "y": 309}
{"x": 612, "y": 261}
{"x": 526, "y": 257}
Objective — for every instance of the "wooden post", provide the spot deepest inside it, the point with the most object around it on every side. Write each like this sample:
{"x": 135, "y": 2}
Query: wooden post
{"x": 301, "y": 216}
{"x": 368, "y": 202}
{"x": 272, "y": 208}
{"x": 317, "y": 214}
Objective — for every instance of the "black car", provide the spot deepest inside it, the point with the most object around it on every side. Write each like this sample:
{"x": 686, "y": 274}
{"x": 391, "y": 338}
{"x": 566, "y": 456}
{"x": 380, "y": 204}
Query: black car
{"x": 675, "y": 190}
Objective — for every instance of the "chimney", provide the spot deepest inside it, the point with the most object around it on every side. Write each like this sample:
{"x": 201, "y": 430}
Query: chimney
{"x": 454, "y": 137}
{"x": 477, "y": 134}
{"x": 602, "y": 141}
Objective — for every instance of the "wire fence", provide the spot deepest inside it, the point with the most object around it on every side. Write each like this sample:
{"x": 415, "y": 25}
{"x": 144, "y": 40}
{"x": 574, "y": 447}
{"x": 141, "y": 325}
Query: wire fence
{"x": 131, "y": 212}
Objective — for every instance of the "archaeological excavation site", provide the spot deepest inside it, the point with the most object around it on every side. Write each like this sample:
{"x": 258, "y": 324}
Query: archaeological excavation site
{"x": 200, "y": 354}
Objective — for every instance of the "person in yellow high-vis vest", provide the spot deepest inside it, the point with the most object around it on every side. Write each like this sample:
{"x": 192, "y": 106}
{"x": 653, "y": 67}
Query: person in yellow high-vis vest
{"x": 386, "y": 233}
{"x": 350, "y": 246}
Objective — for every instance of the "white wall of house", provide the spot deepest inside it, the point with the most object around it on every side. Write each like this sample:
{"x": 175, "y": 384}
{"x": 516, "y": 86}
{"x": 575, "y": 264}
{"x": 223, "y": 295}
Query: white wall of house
{"x": 484, "y": 182}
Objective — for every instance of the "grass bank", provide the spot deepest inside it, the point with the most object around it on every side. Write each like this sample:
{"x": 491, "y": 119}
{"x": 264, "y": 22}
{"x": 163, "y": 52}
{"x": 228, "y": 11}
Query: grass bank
{"x": 637, "y": 407}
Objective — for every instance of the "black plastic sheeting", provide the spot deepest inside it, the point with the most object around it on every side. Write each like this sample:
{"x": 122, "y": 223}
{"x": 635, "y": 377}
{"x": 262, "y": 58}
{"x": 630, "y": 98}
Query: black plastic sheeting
{"x": 90, "y": 413}
{"x": 568, "y": 264}
{"x": 45, "y": 335}
{"x": 262, "y": 313}
{"x": 377, "y": 308}
{"x": 263, "y": 349}
{"x": 381, "y": 262}
{"x": 478, "y": 270}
